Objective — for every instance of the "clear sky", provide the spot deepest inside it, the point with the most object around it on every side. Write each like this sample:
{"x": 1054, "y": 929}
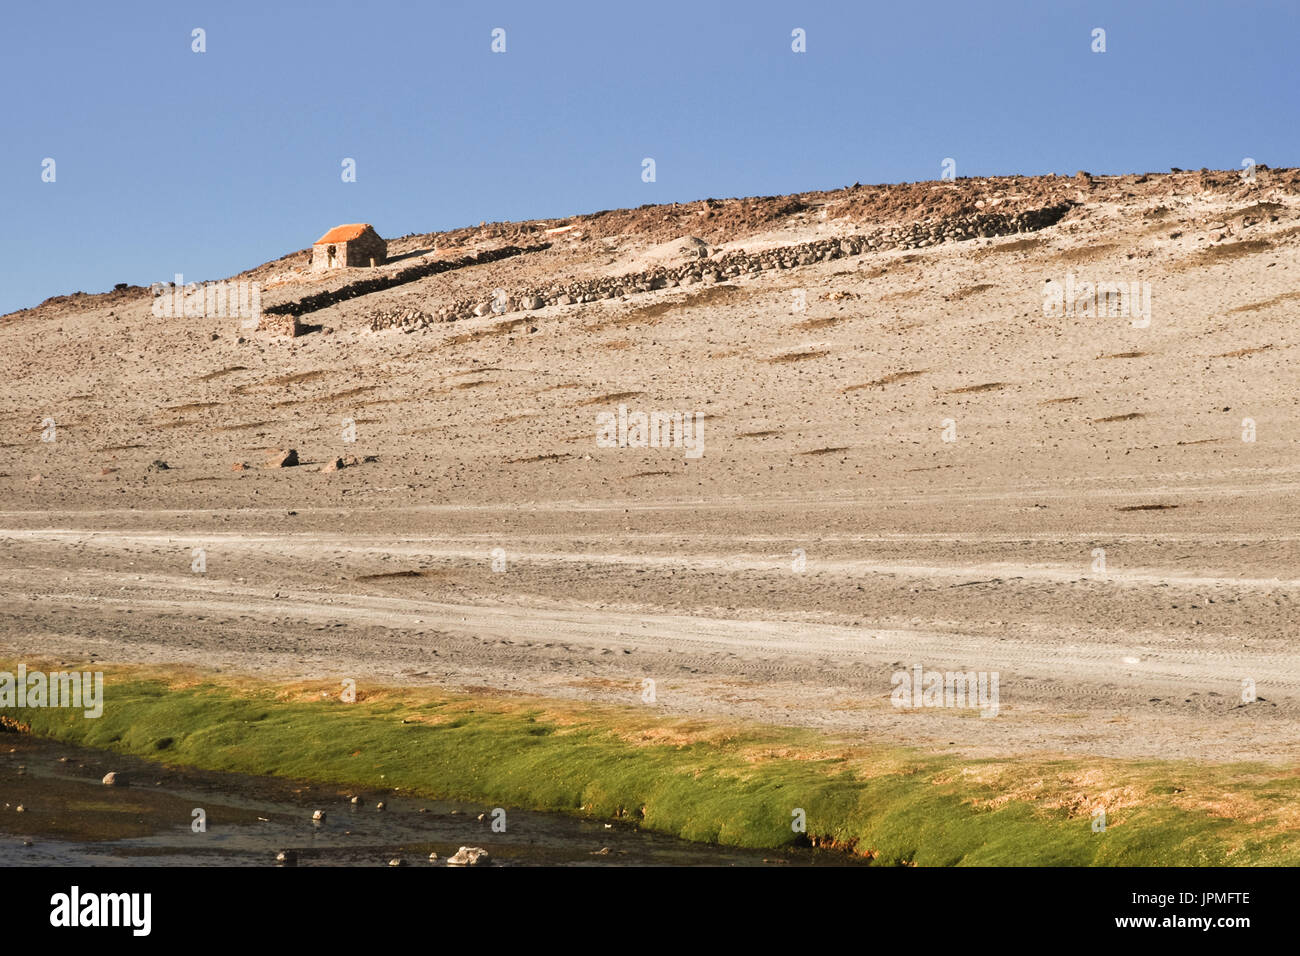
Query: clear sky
{"x": 168, "y": 160}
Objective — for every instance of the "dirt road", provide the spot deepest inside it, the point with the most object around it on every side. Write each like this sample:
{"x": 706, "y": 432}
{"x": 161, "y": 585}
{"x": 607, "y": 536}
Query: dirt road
{"x": 1144, "y": 657}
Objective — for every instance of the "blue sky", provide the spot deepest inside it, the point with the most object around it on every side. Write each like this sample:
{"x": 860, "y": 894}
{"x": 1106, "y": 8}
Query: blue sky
{"x": 208, "y": 163}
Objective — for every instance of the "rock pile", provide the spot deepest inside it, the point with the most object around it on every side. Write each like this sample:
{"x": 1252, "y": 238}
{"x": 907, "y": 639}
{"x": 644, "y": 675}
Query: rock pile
{"x": 281, "y": 324}
{"x": 282, "y": 459}
{"x": 337, "y": 464}
{"x": 400, "y": 317}
{"x": 720, "y": 268}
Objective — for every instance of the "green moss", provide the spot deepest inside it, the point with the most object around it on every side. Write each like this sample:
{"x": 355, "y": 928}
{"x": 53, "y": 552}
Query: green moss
{"x": 705, "y": 781}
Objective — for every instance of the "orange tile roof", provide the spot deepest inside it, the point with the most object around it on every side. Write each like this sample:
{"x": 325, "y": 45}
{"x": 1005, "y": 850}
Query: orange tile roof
{"x": 343, "y": 233}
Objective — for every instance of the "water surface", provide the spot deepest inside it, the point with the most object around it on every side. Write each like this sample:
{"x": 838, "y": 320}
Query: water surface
{"x": 70, "y": 817}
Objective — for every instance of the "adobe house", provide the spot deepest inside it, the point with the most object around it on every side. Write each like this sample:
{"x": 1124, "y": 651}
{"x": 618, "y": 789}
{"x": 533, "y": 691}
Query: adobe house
{"x": 348, "y": 246}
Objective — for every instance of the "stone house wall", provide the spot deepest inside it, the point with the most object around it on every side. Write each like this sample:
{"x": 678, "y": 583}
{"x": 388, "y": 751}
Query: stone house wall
{"x": 359, "y": 251}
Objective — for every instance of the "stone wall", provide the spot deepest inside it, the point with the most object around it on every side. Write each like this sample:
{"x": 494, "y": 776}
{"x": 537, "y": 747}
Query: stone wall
{"x": 352, "y": 290}
{"x": 733, "y": 264}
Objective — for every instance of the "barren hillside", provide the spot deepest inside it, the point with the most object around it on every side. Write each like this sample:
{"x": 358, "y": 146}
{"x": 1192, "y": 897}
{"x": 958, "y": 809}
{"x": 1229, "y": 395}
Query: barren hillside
{"x": 904, "y": 457}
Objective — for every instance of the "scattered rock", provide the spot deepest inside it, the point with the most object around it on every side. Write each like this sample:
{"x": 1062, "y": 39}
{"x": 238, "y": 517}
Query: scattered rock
{"x": 469, "y": 856}
{"x": 115, "y": 779}
{"x": 287, "y": 858}
{"x": 397, "y": 861}
{"x": 318, "y": 816}
{"x": 159, "y": 465}
{"x": 283, "y": 459}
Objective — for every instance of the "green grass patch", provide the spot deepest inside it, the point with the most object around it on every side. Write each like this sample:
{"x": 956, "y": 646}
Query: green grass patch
{"x": 710, "y": 781}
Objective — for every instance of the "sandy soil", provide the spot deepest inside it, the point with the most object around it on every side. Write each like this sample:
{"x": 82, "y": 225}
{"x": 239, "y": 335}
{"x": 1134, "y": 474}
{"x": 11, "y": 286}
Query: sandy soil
{"x": 823, "y": 437}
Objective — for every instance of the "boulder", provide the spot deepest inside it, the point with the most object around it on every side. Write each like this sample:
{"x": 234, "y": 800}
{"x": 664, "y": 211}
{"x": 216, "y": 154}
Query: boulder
{"x": 469, "y": 856}
{"x": 692, "y": 247}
